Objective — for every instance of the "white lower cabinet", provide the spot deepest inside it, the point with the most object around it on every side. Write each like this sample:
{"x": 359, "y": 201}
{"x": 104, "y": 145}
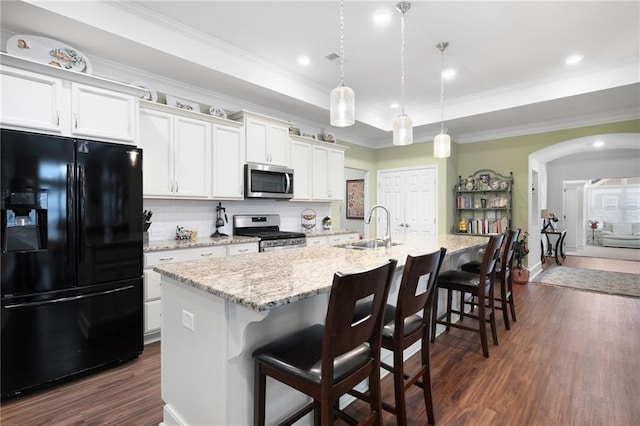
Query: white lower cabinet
{"x": 236, "y": 249}
{"x": 343, "y": 238}
{"x": 152, "y": 302}
{"x": 324, "y": 240}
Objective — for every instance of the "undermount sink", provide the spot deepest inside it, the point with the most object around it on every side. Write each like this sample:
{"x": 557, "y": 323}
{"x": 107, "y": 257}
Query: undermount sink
{"x": 365, "y": 245}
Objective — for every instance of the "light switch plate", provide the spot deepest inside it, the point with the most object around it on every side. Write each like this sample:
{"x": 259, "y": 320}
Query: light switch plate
{"x": 188, "y": 320}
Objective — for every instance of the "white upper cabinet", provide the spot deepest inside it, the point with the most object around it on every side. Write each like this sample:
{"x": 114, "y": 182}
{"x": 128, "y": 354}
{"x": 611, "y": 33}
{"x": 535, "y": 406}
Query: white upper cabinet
{"x": 328, "y": 173}
{"x": 228, "y": 162}
{"x": 31, "y": 100}
{"x": 156, "y": 141}
{"x": 103, "y": 113}
{"x": 176, "y": 154}
{"x": 267, "y": 139}
{"x": 318, "y": 170}
{"x": 192, "y": 165}
{"x": 301, "y": 163}
{"x": 41, "y": 98}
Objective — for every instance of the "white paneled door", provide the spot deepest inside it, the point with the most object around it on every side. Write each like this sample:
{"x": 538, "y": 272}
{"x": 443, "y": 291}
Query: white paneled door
{"x": 411, "y": 197}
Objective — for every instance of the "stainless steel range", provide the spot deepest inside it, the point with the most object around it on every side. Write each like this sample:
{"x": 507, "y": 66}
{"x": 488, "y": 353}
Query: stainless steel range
{"x": 267, "y": 228}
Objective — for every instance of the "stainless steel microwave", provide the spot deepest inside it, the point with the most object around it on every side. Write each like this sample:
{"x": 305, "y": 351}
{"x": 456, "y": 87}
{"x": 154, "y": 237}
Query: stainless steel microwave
{"x": 264, "y": 181}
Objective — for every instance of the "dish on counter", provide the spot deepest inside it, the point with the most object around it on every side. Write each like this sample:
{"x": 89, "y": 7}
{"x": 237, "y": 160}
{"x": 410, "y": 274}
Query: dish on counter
{"x": 183, "y": 104}
{"x": 217, "y": 112}
{"x": 48, "y": 51}
{"x": 152, "y": 95}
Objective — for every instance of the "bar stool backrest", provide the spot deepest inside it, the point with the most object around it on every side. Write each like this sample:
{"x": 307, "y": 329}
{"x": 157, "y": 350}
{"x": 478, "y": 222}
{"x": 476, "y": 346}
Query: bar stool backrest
{"x": 342, "y": 333}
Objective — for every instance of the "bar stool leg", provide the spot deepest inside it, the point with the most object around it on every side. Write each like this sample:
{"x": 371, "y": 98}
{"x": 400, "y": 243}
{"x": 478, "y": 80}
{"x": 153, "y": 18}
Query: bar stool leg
{"x": 260, "y": 388}
{"x": 398, "y": 385}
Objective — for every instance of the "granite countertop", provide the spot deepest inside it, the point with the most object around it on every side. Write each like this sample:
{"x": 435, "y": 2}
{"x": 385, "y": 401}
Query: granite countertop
{"x": 262, "y": 281}
{"x": 234, "y": 239}
{"x": 198, "y": 242}
{"x": 325, "y": 232}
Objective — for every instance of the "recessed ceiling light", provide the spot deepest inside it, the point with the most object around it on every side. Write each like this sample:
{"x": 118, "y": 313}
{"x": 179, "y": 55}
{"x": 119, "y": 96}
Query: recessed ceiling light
{"x": 449, "y": 74}
{"x": 394, "y": 105}
{"x": 573, "y": 59}
{"x": 304, "y": 60}
{"x": 382, "y": 17}
{"x": 598, "y": 144}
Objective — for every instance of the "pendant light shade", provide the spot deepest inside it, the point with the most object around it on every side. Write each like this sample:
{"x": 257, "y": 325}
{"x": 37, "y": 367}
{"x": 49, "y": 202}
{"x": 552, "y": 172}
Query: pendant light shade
{"x": 402, "y": 130}
{"x": 342, "y": 100}
{"x": 402, "y": 124}
{"x": 342, "y": 106}
{"x": 442, "y": 146}
{"x": 442, "y": 141}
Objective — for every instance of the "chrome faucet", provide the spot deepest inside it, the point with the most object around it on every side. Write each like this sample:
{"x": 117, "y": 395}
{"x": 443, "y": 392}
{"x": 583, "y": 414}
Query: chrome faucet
{"x": 387, "y": 239}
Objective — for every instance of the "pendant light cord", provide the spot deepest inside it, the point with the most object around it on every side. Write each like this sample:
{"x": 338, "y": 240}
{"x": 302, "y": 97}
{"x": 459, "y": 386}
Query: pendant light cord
{"x": 341, "y": 42}
{"x": 442, "y": 46}
{"x": 402, "y": 63}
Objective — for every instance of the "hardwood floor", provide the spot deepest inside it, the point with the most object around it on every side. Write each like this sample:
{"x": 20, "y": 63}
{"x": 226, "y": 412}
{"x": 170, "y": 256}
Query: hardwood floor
{"x": 572, "y": 358}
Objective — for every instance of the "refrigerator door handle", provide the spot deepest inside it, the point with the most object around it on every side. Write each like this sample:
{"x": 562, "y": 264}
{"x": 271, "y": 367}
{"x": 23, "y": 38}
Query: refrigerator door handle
{"x": 82, "y": 188}
{"x": 70, "y": 207}
{"x": 66, "y": 299}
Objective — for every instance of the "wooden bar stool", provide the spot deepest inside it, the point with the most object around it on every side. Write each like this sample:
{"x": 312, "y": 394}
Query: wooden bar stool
{"x": 403, "y": 326}
{"x": 479, "y": 286}
{"x": 503, "y": 274}
{"x": 326, "y": 361}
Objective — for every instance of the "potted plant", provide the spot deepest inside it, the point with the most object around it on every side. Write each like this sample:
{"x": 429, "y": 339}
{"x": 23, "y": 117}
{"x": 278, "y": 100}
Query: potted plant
{"x": 520, "y": 273}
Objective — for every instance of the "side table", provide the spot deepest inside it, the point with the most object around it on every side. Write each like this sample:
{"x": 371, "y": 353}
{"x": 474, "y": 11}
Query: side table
{"x": 594, "y": 237}
{"x": 552, "y": 245}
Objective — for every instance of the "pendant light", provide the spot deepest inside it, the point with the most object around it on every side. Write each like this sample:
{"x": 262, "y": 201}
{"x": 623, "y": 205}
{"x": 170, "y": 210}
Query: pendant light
{"x": 342, "y": 105}
{"x": 402, "y": 125}
{"x": 442, "y": 141}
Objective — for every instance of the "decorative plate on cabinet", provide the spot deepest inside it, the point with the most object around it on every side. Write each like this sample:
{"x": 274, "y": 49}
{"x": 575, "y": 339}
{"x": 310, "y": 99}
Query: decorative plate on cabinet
{"x": 183, "y": 104}
{"x": 49, "y": 51}
{"x": 217, "y": 112}
{"x": 152, "y": 96}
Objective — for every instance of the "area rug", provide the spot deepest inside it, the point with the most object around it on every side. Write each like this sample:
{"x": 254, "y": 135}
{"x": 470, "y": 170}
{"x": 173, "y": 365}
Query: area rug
{"x": 591, "y": 280}
{"x": 607, "y": 252}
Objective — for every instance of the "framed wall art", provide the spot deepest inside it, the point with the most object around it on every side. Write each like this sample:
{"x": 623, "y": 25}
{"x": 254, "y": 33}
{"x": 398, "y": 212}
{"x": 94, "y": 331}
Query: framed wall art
{"x": 355, "y": 199}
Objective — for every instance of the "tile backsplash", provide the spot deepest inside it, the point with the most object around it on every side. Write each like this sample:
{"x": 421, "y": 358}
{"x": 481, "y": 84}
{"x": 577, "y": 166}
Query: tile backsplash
{"x": 200, "y": 216}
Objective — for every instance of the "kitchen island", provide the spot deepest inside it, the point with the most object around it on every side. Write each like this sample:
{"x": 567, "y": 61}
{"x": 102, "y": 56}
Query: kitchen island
{"x": 215, "y": 312}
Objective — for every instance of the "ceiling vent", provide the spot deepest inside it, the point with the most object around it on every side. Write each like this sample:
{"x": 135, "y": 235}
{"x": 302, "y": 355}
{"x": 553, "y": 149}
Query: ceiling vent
{"x": 332, "y": 56}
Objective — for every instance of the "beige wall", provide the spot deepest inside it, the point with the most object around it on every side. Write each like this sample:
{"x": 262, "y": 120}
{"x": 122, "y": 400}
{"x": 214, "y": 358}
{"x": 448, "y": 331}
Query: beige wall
{"x": 501, "y": 155}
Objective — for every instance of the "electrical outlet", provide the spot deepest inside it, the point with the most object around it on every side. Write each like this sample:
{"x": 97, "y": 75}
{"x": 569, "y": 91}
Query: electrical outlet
{"x": 188, "y": 320}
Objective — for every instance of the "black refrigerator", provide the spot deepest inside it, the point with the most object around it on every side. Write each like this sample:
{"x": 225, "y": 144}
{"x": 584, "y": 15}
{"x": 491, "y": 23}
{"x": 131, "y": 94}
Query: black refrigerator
{"x": 71, "y": 258}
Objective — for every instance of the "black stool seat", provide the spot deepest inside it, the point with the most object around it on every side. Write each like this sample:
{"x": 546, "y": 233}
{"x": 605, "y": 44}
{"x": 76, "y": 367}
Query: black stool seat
{"x": 411, "y": 323}
{"x": 473, "y": 267}
{"x": 300, "y": 355}
{"x": 460, "y": 280}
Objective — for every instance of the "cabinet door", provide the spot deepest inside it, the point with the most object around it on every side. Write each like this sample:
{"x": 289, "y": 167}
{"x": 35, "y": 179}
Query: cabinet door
{"x": 301, "y": 163}
{"x": 30, "y": 100}
{"x": 320, "y": 173}
{"x": 228, "y": 163}
{"x": 102, "y": 113}
{"x": 256, "y": 141}
{"x": 317, "y": 241}
{"x": 279, "y": 145}
{"x": 192, "y": 157}
{"x": 335, "y": 174}
{"x": 156, "y": 141}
